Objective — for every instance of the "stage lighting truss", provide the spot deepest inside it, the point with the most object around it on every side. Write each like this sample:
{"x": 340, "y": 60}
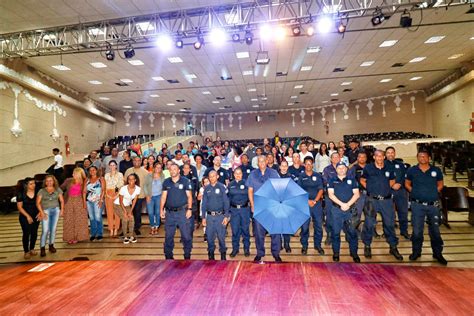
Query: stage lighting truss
{"x": 236, "y": 18}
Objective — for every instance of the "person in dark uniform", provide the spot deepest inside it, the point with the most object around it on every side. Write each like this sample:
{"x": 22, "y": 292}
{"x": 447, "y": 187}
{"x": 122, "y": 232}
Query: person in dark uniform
{"x": 239, "y": 213}
{"x": 378, "y": 179}
{"x": 284, "y": 173}
{"x": 343, "y": 192}
{"x": 176, "y": 207}
{"x": 255, "y": 180}
{"x": 223, "y": 175}
{"x": 356, "y": 172}
{"x": 353, "y": 151}
{"x": 246, "y": 167}
{"x": 328, "y": 173}
{"x": 424, "y": 182}
{"x": 271, "y": 162}
{"x": 215, "y": 214}
{"x": 400, "y": 195}
{"x": 297, "y": 168}
{"x": 312, "y": 183}
{"x": 186, "y": 172}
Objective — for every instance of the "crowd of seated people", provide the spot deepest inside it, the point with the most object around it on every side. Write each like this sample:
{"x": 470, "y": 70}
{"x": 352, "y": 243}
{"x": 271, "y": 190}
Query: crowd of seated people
{"x": 125, "y": 184}
{"x": 368, "y": 137}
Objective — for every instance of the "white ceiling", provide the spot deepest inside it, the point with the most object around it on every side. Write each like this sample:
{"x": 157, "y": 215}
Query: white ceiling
{"x": 360, "y": 43}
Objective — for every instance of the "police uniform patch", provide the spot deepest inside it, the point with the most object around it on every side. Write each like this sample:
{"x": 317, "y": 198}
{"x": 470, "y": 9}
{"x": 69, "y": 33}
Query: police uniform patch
{"x": 314, "y": 178}
{"x": 218, "y": 191}
{"x": 248, "y": 170}
{"x": 387, "y": 174}
{"x": 397, "y": 166}
{"x": 349, "y": 181}
{"x": 433, "y": 174}
{"x": 221, "y": 174}
{"x": 242, "y": 186}
{"x": 180, "y": 186}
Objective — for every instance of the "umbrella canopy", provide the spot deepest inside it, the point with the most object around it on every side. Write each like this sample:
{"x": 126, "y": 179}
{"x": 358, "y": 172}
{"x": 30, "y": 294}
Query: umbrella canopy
{"x": 281, "y": 206}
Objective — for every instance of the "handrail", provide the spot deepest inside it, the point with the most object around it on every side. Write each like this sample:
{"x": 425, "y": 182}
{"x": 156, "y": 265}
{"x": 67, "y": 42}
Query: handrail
{"x": 27, "y": 162}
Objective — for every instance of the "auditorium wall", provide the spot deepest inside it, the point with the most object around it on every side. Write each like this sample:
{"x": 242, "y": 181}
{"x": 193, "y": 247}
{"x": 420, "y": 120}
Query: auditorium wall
{"x": 451, "y": 114}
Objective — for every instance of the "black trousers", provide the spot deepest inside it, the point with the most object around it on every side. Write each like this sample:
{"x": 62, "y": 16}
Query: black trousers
{"x": 30, "y": 233}
{"x": 137, "y": 213}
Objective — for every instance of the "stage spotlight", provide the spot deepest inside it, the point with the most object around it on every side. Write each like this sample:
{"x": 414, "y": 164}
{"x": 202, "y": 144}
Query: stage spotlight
{"x": 236, "y": 37}
{"x": 405, "y": 19}
{"x": 129, "y": 52}
{"x": 199, "y": 42}
{"x": 262, "y": 58}
{"x": 179, "y": 43}
{"x": 341, "y": 28}
{"x": 109, "y": 53}
{"x": 164, "y": 42}
{"x": 280, "y": 33}
{"x": 218, "y": 36}
{"x": 248, "y": 38}
{"x": 325, "y": 24}
{"x": 377, "y": 17}
{"x": 265, "y": 32}
{"x": 296, "y": 31}
{"x": 310, "y": 30}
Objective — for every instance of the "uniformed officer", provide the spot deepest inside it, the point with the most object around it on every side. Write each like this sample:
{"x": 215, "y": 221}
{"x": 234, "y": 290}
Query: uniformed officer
{"x": 312, "y": 183}
{"x": 186, "y": 172}
{"x": 246, "y": 167}
{"x": 424, "y": 182}
{"x": 353, "y": 151}
{"x": 271, "y": 162}
{"x": 356, "y": 172}
{"x": 223, "y": 175}
{"x": 255, "y": 180}
{"x": 378, "y": 178}
{"x": 343, "y": 192}
{"x": 400, "y": 195}
{"x": 176, "y": 207}
{"x": 329, "y": 172}
{"x": 297, "y": 168}
{"x": 215, "y": 214}
{"x": 284, "y": 173}
{"x": 239, "y": 213}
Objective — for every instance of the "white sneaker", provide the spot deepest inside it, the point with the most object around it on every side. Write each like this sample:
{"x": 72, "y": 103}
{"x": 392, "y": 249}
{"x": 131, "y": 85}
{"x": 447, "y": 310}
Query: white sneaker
{"x": 133, "y": 240}
{"x": 126, "y": 241}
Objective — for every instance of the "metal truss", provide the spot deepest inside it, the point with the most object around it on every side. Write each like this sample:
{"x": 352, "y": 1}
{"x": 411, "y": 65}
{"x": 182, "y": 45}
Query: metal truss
{"x": 143, "y": 30}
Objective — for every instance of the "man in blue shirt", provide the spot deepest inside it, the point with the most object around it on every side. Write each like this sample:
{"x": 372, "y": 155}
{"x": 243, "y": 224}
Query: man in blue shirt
{"x": 343, "y": 192}
{"x": 378, "y": 179}
{"x": 176, "y": 206}
{"x": 328, "y": 173}
{"x": 312, "y": 183}
{"x": 297, "y": 168}
{"x": 246, "y": 167}
{"x": 240, "y": 213}
{"x": 400, "y": 195}
{"x": 215, "y": 214}
{"x": 255, "y": 180}
{"x": 223, "y": 175}
{"x": 424, "y": 182}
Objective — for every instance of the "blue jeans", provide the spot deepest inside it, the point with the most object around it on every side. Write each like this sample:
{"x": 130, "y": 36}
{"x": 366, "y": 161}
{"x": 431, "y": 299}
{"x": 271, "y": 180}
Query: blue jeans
{"x": 95, "y": 218}
{"x": 214, "y": 229}
{"x": 418, "y": 214}
{"x": 153, "y": 209}
{"x": 400, "y": 197}
{"x": 49, "y": 225}
{"x": 343, "y": 221}
{"x": 240, "y": 224}
{"x": 385, "y": 208}
{"x": 317, "y": 216}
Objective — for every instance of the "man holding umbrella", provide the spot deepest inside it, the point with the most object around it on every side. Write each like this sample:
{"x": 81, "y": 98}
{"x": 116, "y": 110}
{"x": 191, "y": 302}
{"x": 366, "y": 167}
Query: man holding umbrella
{"x": 343, "y": 192}
{"x": 255, "y": 180}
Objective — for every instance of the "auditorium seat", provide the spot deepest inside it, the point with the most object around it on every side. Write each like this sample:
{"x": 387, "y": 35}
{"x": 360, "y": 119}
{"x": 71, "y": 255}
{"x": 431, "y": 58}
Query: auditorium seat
{"x": 68, "y": 169}
{"x": 6, "y": 194}
{"x": 454, "y": 199}
{"x": 40, "y": 176}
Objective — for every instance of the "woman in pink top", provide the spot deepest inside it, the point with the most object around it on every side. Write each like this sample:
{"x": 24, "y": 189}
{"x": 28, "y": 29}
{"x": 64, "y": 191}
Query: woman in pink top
{"x": 76, "y": 226}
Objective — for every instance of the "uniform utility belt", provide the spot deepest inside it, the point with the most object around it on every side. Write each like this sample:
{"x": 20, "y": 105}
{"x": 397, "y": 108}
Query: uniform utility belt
{"x": 434, "y": 203}
{"x": 380, "y": 197}
{"x": 215, "y": 213}
{"x": 176, "y": 209}
{"x": 239, "y": 206}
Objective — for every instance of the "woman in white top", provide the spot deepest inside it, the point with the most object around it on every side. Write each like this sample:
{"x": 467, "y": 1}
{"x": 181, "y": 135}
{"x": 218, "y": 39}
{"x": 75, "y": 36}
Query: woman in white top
{"x": 124, "y": 205}
{"x": 201, "y": 169}
{"x": 332, "y": 148}
{"x": 113, "y": 183}
{"x": 289, "y": 156}
{"x": 322, "y": 158}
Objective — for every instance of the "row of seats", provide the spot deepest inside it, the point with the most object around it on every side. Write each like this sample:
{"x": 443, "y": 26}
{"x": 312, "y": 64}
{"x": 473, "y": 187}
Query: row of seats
{"x": 258, "y": 142}
{"x": 385, "y": 136}
{"x": 120, "y": 141}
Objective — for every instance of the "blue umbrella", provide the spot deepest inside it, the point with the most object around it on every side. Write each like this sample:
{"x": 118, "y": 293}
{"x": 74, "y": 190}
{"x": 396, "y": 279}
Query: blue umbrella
{"x": 281, "y": 206}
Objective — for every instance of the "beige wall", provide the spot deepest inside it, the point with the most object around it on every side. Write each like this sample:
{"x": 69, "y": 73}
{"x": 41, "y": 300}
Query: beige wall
{"x": 451, "y": 114}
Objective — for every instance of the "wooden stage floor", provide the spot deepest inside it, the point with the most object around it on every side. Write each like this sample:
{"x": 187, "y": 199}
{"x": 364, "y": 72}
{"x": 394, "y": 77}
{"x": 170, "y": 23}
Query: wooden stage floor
{"x": 196, "y": 287}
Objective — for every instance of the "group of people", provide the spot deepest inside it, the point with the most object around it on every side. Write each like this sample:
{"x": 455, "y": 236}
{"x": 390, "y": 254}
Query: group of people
{"x": 213, "y": 185}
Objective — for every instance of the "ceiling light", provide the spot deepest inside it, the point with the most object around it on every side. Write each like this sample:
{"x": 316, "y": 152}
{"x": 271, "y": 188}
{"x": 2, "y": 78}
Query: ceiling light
{"x": 129, "y": 52}
{"x": 385, "y": 80}
{"x": 49, "y": 37}
{"x": 310, "y": 30}
{"x": 280, "y": 33}
{"x": 417, "y": 59}
{"x": 109, "y": 53}
{"x": 191, "y": 76}
{"x": 293, "y": 97}
{"x": 95, "y": 31}
{"x": 334, "y": 94}
{"x": 247, "y": 72}
{"x": 393, "y": 90}
{"x": 367, "y": 63}
{"x": 291, "y": 103}
{"x": 265, "y": 32}
{"x": 262, "y": 58}
{"x": 388, "y": 43}
{"x": 341, "y": 27}
{"x": 377, "y": 17}
{"x": 126, "y": 80}
{"x": 179, "y": 43}
{"x": 296, "y": 31}
{"x": 346, "y": 83}
{"x": 325, "y": 24}
{"x": 61, "y": 67}
{"x": 154, "y": 96}
{"x": 170, "y": 104}
{"x": 145, "y": 26}
{"x": 472, "y": 38}
{"x": 455, "y": 56}
{"x": 164, "y": 42}
{"x": 236, "y": 37}
{"x": 415, "y": 78}
{"x": 306, "y": 68}
{"x": 136, "y": 62}
{"x": 313, "y": 49}
{"x": 175, "y": 60}
{"x": 199, "y": 42}
{"x": 94, "y": 82}
{"x": 434, "y": 39}
{"x": 325, "y": 102}
{"x": 251, "y": 90}
{"x": 158, "y": 78}
{"x": 98, "y": 65}
{"x": 104, "y": 98}
{"x": 215, "y": 102}
{"x": 255, "y": 106}
{"x": 206, "y": 92}
{"x": 242, "y": 55}
{"x": 405, "y": 19}
{"x": 254, "y": 100}
{"x": 248, "y": 38}
{"x": 218, "y": 36}
{"x": 127, "y": 106}
{"x": 222, "y": 108}
{"x": 300, "y": 86}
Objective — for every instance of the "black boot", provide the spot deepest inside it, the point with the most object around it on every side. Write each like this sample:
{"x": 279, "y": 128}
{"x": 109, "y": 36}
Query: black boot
{"x": 320, "y": 250}
{"x": 287, "y": 248}
{"x": 335, "y": 257}
{"x": 234, "y": 253}
{"x": 405, "y": 235}
{"x": 43, "y": 252}
{"x": 395, "y": 253}
{"x": 414, "y": 256}
{"x": 367, "y": 251}
{"x": 355, "y": 257}
{"x": 210, "y": 255}
{"x": 223, "y": 256}
{"x": 304, "y": 250}
{"x": 246, "y": 252}
{"x": 440, "y": 259}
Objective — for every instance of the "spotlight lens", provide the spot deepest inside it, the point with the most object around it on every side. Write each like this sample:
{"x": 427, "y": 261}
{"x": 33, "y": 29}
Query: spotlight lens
{"x": 249, "y": 38}
{"x": 164, "y": 42}
{"x": 325, "y": 24}
{"x": 296, "y": 31}
{"x": 341, "y": 28}
{"x": 197, "y": 44}
{"x": 280, "y": 33}
{"x": 265, "y": 32}
{"x": 236, "y": 37}
{"x": 179, "y": 44}
{"x": 218, "y": 36}
{"x": 310, "y": 31}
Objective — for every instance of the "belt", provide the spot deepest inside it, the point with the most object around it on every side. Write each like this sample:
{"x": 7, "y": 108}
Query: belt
{"x": 176, "y": 209}
{"x": 240, "y": 206}
{"x": 380, "y": 198}
{"x": 215, "y": 213}
{"x": 434, "y": 203}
